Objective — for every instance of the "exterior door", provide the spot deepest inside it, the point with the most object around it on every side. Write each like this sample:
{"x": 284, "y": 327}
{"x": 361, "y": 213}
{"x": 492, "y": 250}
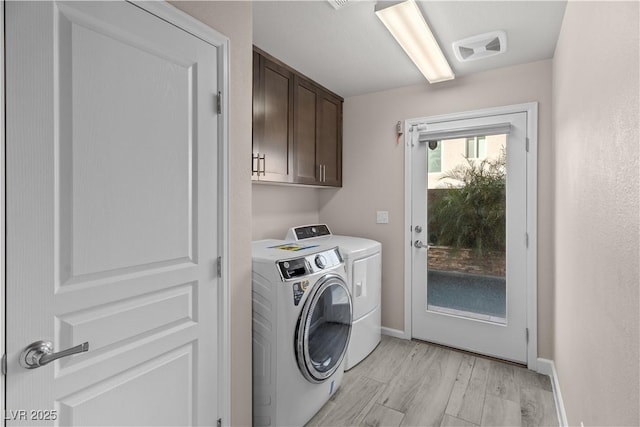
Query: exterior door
{"x": 111, "y": 148}
{"x": 469, "y": 225}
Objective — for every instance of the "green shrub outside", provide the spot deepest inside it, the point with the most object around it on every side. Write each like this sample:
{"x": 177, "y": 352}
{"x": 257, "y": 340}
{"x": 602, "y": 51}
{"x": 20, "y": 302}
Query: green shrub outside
{"x": 471, "y": 212}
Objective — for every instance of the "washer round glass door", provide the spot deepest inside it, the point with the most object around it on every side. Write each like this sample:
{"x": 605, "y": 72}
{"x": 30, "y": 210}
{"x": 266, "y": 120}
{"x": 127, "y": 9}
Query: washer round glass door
{"x": 324, "y": 328}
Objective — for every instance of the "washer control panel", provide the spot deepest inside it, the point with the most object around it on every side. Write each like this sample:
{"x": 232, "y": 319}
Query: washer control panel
{"x": 309, "y": 264}
{"x": 293, "y": 268}
{"x": 321, "y": 261}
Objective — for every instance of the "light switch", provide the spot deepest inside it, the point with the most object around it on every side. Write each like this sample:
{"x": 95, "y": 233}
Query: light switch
{"x": 382, "y": 217}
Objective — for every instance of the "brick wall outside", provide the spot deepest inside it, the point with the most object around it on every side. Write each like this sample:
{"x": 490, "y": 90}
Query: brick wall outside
{"x": 466, "y": 261}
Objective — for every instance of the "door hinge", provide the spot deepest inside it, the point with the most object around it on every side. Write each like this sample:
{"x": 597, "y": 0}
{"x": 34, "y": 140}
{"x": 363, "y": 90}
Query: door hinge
{"x": 527, "y": 144}
{"x": 219, "y": 103}
{"x": 219, "y": 266}
{"x": 527, "y": 334}
{"x": 4, "y": 364}
{"x": 219, "y": 422}
{"x": 526, "y": 239}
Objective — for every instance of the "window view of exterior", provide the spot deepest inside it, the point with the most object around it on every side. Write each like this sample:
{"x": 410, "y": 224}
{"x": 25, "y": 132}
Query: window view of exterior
{"x": 435, "y": 159}
{"x": 477, "y": 147}
{"x": 466, "y": 227}
{"x": 456, "y": 152}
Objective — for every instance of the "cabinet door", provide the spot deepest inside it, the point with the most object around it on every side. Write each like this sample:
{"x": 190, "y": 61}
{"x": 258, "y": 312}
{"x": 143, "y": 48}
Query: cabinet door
{"x": 258, "y": 117}
{"x": 306, "y": 168}
{"x": 272, "y": 137}
{"x": 329, "y": 141}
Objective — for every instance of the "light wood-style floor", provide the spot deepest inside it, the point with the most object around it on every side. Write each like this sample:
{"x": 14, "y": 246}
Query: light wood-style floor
{"x": 410, "y": 383}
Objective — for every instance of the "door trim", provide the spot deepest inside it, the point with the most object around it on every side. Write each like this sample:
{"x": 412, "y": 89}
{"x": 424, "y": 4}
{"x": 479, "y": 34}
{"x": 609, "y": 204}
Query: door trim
{"x": 3, "y": 245}
{"x": 176, "y": 17}
{"x": 531, "y": 110}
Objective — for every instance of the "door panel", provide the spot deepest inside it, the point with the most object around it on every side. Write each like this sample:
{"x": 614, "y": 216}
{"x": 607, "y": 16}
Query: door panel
{"x": 330, "y": 140}
{"x": 153, "y": 228}
{"x": 304, "y": 141}
{"x": 170, "y": 375}
{"x": 107, "y": 135}
{"x": 276, "y": 130}
{"x": 469, "y": 251}
{"x": 110, "y": 326}
{"x": 111, "y": 214}
{"x": 273, "y": 131}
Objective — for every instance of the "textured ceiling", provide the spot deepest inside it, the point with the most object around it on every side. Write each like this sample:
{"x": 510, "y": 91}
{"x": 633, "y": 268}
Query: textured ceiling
{"x": 350, "y": 52}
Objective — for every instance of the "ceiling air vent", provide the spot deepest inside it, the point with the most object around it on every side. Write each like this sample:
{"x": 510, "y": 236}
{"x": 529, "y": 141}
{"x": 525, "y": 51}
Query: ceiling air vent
{"x": 480, "y": 46}
{"x": 338, "y": 4}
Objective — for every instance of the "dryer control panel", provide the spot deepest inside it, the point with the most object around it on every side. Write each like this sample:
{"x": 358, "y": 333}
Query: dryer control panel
{"x": 309, "y": 264}
{"x": 308, "y": 232}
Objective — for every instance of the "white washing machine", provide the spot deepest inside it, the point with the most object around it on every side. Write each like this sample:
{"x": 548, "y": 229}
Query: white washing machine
{"x": 302, "y": 316}
{"x": 363, "y": 259}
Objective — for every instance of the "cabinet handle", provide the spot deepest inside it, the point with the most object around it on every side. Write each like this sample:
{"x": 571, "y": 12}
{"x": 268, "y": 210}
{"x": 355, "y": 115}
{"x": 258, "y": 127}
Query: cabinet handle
{"x": 255, "y": 162}
{"x": 324, "y": 173}
{"x": 264, "y": 164}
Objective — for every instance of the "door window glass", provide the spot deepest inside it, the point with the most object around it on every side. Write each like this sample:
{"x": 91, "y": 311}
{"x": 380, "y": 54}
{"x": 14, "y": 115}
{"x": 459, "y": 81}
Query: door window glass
{"x": 466, "y": 230}
{"x": 328, "y": 329}
{"x": 435, "y": 156}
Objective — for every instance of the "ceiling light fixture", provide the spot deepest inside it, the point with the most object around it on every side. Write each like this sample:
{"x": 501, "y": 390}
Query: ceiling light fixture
{"x": 407, "y": 25}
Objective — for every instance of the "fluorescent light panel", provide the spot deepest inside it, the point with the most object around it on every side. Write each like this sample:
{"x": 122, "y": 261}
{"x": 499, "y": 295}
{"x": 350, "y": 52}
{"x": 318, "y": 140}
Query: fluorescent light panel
{"x": 407, "y": 25}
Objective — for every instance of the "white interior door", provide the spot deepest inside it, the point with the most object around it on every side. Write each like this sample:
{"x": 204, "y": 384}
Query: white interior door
{"x": 111, "y": 148}
{"x": 469, "y": 225}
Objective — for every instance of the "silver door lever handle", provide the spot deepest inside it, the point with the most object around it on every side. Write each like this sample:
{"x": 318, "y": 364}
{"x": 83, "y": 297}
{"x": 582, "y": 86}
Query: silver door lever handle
{"x": 418, "y": 244}
{"x": 40, "y": 353}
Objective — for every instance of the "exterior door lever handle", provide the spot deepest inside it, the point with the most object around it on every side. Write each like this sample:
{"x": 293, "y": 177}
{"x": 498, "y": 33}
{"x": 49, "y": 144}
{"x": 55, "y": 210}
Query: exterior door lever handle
{"x": 418, "y": 244}
{"x": 41, "y": 353}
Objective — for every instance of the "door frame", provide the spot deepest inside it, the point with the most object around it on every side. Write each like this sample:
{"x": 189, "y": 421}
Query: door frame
{"x": 3, "y": 244}
{"x": 531, "y": 110}
{"x": 182, "y": 20}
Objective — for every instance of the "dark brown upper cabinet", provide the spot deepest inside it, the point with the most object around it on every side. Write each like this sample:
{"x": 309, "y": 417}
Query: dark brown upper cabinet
{"x": 313, "y": 116}
{"x": 329, "y": 143}
{"x": 272, "y": 157}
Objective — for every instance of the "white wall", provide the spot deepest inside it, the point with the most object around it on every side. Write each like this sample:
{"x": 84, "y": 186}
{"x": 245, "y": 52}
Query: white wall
{"x": 234, "y": 20}
{"x": 277, "y": 208}
{"x": 373, "y": 171}
{"x": 597, "y": 245}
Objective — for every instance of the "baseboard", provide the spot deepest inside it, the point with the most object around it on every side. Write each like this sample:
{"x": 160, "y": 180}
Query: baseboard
{"x": 548, "y": 367}
{"x": 396, "y": 333}
{"x": 545, "y": 367}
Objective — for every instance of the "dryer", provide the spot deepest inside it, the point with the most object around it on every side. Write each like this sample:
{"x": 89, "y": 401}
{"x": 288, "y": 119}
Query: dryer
{"x": 302, "y": 316}
{"x": 363, "y": 260}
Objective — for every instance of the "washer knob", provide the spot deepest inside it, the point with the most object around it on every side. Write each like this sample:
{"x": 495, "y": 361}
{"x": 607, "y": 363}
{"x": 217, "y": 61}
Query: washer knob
{"x": 321, "y": 261}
